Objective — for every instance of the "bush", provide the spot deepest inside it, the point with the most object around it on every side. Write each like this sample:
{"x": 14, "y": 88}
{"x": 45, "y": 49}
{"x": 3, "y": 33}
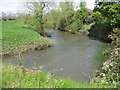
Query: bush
{"x": 76, "y": 25}
{"x": 106, "y": 19}
{"x": 62, "y": 23}
{"x": 100, "y": 31}
{"x": 4, "y": 18}
{"x": 109, "y": 76}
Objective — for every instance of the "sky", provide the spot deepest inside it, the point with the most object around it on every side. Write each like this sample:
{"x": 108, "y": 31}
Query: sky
{"x": 13, "y": 5}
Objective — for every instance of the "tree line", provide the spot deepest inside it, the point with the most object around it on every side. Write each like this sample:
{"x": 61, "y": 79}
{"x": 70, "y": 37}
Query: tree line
{"x": 44, "y": 16}
{"x": 103, "y": 19}
{"x": 10, "y": 16}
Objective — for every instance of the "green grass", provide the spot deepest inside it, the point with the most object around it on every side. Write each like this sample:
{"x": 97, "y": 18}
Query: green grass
{"x": 0, "y": 74}
{"x": 15, "y": 35}
{"x": 12, "y": 77}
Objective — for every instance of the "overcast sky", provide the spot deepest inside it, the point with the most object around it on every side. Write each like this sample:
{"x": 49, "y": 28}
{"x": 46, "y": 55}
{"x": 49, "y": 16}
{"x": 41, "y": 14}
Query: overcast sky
{"x": 12, "y": 5}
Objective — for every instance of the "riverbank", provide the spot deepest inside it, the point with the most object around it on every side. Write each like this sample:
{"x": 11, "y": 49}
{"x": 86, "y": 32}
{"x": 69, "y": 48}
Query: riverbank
{"x": 82, "y": 31}
{"x": 101, "y": 32}
{"x": 19, "y": 77}
{"x": 17, "y": 38}
{"x": 16, "y": 77}
{"x": 23, "y": 78}
{"x": 108, "y": 75}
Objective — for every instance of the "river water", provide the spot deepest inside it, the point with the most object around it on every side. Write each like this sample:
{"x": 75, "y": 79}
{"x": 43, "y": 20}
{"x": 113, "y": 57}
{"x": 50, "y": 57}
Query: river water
{"x": 72, "y": 56}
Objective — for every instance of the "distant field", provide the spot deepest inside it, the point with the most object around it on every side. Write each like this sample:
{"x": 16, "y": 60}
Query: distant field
{"x": 17, "y": 36}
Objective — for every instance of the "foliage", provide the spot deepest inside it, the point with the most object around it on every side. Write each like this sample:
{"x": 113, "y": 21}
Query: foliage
{"x": 76, "y": 25}
{"x": 109, "y": 76}
{"x": 110, "y": 73}
{"x": 109, "y": 15}
{"x": 82, "y": 5}
{"x": 10, "y": 16}
{"x": 115, "y": 37}
{"x": 66, "y": 15}
{"x": 82, "y": 16}
{"x": 26, "y": 19}
{"x": 36, "y": 16}
{"x": 106, "y": 17}
{"x": 16, "y": 77}
{"x": 100, "y": 31}
{"x": 61, "y": 23}
{"x": 97, "y": 16}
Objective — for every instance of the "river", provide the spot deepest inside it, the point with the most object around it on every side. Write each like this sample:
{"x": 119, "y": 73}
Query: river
{"x": 72, "y": 56}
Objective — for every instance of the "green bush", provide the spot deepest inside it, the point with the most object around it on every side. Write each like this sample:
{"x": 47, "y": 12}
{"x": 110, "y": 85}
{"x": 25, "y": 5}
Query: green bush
{"x": 100, "y": 31}
{"x": 109, "y": 76}
{"x": 61, "y": 23}
{"x": 76, "y": 25}
{"x": 106, "y": 18}
{"x": 4, "y": 18}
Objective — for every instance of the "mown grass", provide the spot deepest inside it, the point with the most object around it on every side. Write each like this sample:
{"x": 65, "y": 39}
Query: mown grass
{"x": 15, "y": 36}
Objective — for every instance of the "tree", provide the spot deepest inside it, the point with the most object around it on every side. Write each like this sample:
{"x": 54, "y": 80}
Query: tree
{"x": 37, "y": 15}
{"x": 53, "y": 18}
{"x": 67, "y": 12}
{"x": 109, "y": 14}
{"x": 106, "y": 17}
{"x": 83, "y": 14}
{"x": 82, "y": 5}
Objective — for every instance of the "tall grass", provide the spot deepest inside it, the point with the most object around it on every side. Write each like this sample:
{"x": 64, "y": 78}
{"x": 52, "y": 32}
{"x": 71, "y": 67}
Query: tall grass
{"x": 16, "y": 77}
{"x": 13, "y": 77}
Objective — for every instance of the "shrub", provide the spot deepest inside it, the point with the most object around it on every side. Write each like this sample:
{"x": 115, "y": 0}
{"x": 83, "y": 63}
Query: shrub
{"x": 109, "y": 76}
{"x": 76, "y": 25}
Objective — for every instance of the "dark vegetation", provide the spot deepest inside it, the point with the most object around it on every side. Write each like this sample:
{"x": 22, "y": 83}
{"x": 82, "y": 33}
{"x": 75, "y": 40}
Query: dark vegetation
{"x": 109, "y": 75}
{"x": 107, "y": 27}
{"x": 106, "y": 17}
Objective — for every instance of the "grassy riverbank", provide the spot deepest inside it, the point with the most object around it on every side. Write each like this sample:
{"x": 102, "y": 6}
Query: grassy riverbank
{"x": 13, "y": 77}
{"x": 16, "y": 37}
{"x": 16, "y": 77}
